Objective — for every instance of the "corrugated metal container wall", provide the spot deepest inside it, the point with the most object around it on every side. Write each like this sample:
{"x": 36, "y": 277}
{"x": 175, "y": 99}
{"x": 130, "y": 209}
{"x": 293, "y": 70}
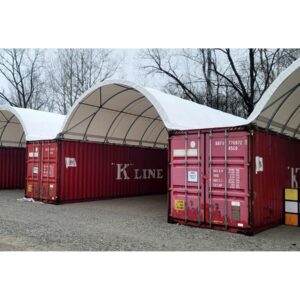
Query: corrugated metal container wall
{"x": 238, "y": 176}
{"x": 12, "y": 168}
{"x": 79, "y": 171}
{"x": 279, "y": 156}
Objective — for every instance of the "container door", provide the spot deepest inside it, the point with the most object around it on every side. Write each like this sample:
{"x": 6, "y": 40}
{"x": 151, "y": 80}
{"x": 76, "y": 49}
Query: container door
{"x": 186, "y": 177}
{"x": 49, "y": 171}
{"x": 227, "y": 185}
{"x": 33, "y": 170}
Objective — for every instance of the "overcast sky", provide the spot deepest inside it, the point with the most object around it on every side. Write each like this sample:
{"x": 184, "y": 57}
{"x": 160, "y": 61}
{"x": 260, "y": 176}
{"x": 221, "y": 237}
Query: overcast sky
{"x": 129, "y": 69}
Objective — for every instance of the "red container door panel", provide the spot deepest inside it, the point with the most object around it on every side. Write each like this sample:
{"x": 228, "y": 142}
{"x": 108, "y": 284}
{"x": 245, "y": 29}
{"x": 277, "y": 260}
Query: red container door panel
{"x": 12, "y": 167}
{"x": 49, "y": 174}
{"x": 32, "y": 182}
{"x": 32, "y": 189}
{"x": 186, "y": 177}
{"x": 275, "y": 160}
{"x": 41, "y": 179}
{"x": 227, "y": 170}
{"x": 99, "y": 171}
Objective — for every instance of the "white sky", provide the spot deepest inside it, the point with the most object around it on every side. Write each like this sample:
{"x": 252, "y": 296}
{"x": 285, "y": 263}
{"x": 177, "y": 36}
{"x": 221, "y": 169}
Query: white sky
{"x": 129, "y": 70}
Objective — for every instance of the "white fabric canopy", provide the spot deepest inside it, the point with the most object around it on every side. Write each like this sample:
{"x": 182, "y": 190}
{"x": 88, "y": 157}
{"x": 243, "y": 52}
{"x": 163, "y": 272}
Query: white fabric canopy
{"x": 123, "y": 112}
{"x": 279, "y": 108}
{"x": 18, "y": 125}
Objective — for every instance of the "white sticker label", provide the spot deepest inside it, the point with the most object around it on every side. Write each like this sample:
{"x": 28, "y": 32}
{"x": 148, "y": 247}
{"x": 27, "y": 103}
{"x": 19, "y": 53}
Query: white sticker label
{"x": 193, "y": 144}
{"x": 240, "y": 225}
{"x": 259, "y": 163}
{"x": 35, "y": 170}
{"x": 291, "y": 207}
{"x": 182, "y": 152}
{"x": 192, "y": 176}
{"x": 179, "y": 152}
{"x": 70, "y": 162}
{"x": 33, "y": 154}
{"x": 235, "y": 203}
{"x": 192, "y": 152}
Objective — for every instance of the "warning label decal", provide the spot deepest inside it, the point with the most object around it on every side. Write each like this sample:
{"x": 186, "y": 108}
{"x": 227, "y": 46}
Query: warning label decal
{"x": 179, "y": 204}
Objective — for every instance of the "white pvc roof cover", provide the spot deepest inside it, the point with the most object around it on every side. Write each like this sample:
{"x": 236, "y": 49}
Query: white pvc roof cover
{"x": 124, "y": 113}
{"x": 279, "y": 108}
{"x": 18, "y": 125}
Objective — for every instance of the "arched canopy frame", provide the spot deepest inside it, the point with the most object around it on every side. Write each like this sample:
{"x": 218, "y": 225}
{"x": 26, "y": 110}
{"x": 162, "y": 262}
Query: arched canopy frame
{"x": 11, "y": 128}
{"x": 122, "y": 112}
{"x": 19, "y": 125}
{"x": 279, "y": 108}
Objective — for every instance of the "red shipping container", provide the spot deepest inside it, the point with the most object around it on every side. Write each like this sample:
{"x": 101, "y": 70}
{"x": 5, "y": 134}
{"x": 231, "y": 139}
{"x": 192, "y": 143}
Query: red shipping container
{"x": 69, "y": 171}
{"x": 231, "y": 179}
{"x": 12, "y": 168}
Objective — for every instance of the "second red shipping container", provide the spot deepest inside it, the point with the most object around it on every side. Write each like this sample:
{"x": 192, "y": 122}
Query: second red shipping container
{"x": 69, "y": 171}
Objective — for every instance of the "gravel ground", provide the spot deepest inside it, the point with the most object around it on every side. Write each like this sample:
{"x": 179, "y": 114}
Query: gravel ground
{"x": 124, "y": 224}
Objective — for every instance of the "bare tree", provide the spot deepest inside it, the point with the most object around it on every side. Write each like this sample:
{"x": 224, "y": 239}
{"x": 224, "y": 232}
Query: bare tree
{"x": 73, "y": 71}
{"x": 229, "y": 80}
{"x": 169, "y": 63}
{"x": 249, "y": 77}
{"x": 22, "y": 74}
{"x": 207, "y": 63}
{"x": 190, "y": 75}
{"x": 285, "y": 58}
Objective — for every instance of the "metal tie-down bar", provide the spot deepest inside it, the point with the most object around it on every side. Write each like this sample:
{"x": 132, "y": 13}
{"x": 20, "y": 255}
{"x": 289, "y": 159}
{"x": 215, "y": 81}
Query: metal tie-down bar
{"x": 185, "y": 180}
{"x": 32, "y": 170}
{"x": 48, "y": 173}
{"x": 210, "y": 177}
{"x": 198, "y": 178}
{"x": 225, "y": 178}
